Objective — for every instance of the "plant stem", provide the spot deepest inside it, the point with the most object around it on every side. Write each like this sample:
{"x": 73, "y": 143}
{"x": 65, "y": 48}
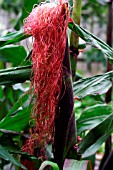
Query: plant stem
{"x": 74, "y": 39}
{"x": 76, "y": 15}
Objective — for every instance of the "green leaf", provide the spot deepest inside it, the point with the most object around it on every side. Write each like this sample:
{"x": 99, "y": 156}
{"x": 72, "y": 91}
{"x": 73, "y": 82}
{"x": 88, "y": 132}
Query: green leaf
{"x": 10, "y": 96}
{"x": 71, "y": 164}
{"x": 92, "y": 116}
{"x": 18, "y": 75}
{"x": 27, "y": 8}
{"x": 73, "y": 63}
{"x": 16, "y": 121}
{"x": 97, "y": 135}
{"x": 27, "y": 156}
{"x": 1, "y": 93}
{"x": 46, "y": 164}
{"x": 7, "y": 156}
{"x": 24, "y": 154}
{"x": 98, "y": 84}
{"x": 12, "y": 38}
{"x": 91, "y": 39}
{"x": 94, "y": 148}
{"x": 19, "y": 103}
{"x": 15, "y": 75}
{"x": 11, "y": 134}
{"x": 82, "y": 44}
{"x": 9, "y": 141}
{"x": 14, "y": 54}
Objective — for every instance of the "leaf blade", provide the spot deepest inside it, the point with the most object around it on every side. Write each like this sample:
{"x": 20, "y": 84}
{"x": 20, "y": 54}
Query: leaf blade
{"x": 12, "y": 122}
{"x": 98, "y": 84}
{"x": 93, "y": 116}
{"x": 12, "y": 38}
{"x": 98, "y": 132}
{"x": 15, "y": 75}
{"x": 71, "y": 164}
{"x": 46, "y": 164}
{"x": 13, "y": 53}
{"x": 91, "y": 39}
{"x": 7, "y": 156}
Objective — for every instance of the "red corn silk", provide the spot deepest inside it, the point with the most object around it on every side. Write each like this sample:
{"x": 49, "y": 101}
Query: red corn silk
{"x": 47, "y": 23}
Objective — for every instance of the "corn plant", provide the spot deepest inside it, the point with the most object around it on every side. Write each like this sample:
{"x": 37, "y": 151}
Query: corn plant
{"x": 39, "y": 127}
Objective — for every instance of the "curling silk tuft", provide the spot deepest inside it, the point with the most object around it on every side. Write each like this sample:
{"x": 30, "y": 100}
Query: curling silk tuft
{"x": 47, "y": 23}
